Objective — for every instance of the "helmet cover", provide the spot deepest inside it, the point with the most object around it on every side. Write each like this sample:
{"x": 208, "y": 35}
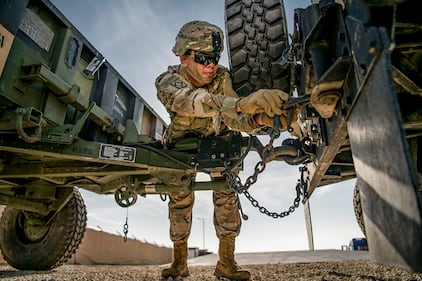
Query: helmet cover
{"x": 199, "y": 36}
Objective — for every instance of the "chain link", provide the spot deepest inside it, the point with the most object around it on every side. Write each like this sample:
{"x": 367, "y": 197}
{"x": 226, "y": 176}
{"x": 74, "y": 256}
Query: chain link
{"x": 126, "y": 227}
{"x": 275, "y": 215}
{"x": 235, "y": 183}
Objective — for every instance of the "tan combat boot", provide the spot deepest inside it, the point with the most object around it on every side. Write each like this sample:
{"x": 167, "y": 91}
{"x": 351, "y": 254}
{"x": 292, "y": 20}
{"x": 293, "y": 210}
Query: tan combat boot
{"x": 227, "y": 266}
{"x": 179, "y": 267}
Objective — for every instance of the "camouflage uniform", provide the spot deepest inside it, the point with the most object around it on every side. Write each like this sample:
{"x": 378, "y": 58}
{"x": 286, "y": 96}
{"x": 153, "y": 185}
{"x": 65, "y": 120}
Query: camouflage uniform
{"x": 205, "y": 111}
{"x": 199, "y": 97}
{"x": 202, "y": 111}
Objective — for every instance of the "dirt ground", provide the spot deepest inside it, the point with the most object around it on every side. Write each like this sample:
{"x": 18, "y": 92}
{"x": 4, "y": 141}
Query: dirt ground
{"x": 342, "y": 270}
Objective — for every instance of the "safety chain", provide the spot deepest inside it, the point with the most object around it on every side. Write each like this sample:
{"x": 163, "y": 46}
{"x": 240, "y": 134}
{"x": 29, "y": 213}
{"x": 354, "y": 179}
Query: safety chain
{"x": 275, "y": 215}
{"x": 235, "y": 183}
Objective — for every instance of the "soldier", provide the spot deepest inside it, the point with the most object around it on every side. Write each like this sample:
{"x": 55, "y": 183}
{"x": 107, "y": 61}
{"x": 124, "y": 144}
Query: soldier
{"x": 199, "y": 97}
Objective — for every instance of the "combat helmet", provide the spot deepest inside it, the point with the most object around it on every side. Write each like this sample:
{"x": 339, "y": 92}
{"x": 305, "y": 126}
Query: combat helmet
{"x": 199, "y": 36}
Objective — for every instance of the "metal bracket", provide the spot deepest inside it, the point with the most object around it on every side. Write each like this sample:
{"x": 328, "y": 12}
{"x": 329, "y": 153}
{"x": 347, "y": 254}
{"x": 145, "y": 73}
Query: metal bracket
{"x": 67, "y": 133}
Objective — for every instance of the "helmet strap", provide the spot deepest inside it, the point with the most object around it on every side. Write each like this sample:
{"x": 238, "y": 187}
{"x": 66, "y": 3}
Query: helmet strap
{"x": 216, "y": 42}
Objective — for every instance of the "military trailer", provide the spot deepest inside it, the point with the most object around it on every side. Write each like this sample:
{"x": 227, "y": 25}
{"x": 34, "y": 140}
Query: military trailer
{"x": 64, "y": 114}
{"x": 68, "y": 119}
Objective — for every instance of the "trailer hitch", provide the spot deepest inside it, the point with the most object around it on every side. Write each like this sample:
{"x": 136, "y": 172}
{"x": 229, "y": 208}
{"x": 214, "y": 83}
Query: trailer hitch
{"x": 291, "y": 151}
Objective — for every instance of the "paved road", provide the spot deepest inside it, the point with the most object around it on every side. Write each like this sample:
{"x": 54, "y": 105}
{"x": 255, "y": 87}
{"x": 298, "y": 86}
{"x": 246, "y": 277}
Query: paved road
{"x": 285, "y": 257}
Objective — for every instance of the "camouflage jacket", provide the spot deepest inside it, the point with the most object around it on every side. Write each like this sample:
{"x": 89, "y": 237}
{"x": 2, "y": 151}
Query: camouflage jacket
{"x": 205, "y": 111}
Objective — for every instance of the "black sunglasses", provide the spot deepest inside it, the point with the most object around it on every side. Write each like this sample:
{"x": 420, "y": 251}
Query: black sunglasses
{"x": 206, "y": 59}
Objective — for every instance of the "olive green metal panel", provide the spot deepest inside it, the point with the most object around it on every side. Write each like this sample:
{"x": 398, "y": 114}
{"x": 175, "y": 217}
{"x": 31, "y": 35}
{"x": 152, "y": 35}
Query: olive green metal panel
{"x": 44, "y": 40}
{"x": 53, "y": 71}
{"x": 64, "y": 111}
{"x": 11, "y": 13}
{"x": 15, "y": 91}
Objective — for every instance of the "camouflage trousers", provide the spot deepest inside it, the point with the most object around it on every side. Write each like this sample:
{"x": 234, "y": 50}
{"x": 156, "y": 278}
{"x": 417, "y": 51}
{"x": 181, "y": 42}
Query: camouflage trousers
{"x": 226, "y": 214}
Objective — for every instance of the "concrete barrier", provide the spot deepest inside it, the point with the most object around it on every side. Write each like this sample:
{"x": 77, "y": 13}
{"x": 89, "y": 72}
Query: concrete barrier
{"x": 100, "y": 247}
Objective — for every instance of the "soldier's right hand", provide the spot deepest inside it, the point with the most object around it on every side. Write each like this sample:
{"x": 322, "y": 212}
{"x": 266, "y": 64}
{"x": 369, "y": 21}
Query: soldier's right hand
{"x": 268, "y": 101}
{"x": 268, "y": 121}
{"x": 264, "y": 119}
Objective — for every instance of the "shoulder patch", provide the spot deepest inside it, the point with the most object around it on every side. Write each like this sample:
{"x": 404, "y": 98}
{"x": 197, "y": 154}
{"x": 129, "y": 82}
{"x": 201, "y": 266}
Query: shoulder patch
{"x": 179, "y": 84}
{"x": 172, "y": 80}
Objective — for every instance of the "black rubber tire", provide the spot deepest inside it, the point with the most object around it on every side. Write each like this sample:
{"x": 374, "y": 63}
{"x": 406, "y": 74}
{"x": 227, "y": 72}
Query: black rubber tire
{"x": 357, "y": 206}
{"x": 257, "y": 36}
{"x": 54, "y": 248}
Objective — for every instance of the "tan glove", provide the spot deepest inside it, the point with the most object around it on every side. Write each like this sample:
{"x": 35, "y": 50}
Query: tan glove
{"x": 268, "y": 101}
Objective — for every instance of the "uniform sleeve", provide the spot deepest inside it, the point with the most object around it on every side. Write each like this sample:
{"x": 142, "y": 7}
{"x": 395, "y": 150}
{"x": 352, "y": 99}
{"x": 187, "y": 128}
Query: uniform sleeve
{"x": 243, "y": 122}
{"x": 177, "y": 96}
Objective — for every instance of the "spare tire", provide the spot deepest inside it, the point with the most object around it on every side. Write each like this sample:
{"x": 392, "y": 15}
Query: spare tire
{"x": 257, "y": 36}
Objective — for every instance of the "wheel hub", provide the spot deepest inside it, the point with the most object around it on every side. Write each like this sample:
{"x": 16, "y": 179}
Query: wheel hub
{"x": 33, "y": 227}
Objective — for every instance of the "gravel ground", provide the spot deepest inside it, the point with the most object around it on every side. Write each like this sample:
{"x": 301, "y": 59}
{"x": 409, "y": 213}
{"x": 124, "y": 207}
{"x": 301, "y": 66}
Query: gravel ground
{"x": 344, "y": 270}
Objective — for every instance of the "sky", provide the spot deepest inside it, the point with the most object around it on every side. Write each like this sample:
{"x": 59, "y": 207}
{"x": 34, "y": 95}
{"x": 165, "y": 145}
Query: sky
{"x": 136, "y": 37}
